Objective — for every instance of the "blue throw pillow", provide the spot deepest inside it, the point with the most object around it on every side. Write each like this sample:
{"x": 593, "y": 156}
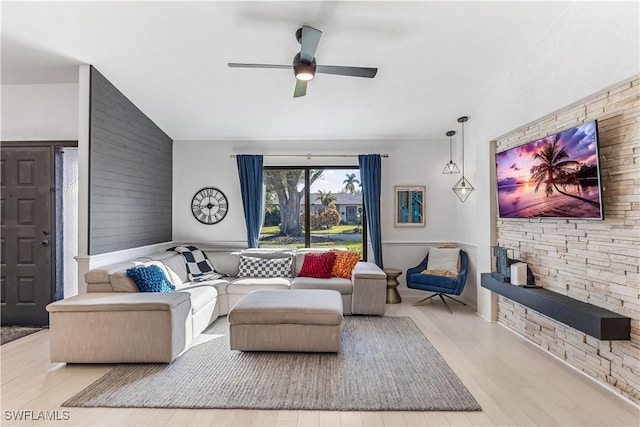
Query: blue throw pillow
{"x": 150, "y": 279}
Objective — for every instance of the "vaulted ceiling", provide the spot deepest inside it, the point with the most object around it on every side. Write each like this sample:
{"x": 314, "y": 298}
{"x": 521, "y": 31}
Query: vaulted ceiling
{"x": 436, "y": 61}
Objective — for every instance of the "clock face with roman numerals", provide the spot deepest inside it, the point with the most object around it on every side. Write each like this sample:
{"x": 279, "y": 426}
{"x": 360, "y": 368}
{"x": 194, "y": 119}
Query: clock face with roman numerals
{"x": 209, "y": 206}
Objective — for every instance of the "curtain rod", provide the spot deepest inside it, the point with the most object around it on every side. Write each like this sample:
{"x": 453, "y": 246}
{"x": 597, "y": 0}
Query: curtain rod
{"x": 309, "y": 155}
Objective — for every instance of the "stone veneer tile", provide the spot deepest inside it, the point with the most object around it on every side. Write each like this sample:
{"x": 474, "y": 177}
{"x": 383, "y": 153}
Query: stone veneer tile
{"x": 593, "y": 261}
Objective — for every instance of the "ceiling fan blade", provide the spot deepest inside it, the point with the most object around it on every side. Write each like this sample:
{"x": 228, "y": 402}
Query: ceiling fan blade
{"x": 238, "y": 65}
{"x": 347, "y": 71}
{"x": 301, "y": 88}
{"x": 309, "y": 43}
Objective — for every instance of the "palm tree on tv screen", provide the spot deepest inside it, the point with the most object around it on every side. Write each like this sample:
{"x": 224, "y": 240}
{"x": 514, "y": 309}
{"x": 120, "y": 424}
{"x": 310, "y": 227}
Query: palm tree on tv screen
{"x": 555, "y": 170}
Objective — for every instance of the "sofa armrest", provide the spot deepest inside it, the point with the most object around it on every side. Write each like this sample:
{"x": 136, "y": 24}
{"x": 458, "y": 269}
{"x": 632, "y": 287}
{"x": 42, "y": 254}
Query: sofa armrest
{"x": 120, "y": 327}
{"x": 369, "y": 289}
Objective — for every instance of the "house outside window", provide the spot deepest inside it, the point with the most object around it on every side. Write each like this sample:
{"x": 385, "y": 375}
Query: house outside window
{"x": 330, "y": 211}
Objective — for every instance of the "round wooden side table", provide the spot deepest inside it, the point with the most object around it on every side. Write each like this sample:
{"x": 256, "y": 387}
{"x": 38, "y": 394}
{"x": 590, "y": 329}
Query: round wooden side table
{"x": 393, "y": 297}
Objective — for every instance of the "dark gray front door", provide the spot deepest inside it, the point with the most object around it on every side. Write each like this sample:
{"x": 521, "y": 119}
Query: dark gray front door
{"x": 26, "y": 254}
{"x": 351, "y": 215}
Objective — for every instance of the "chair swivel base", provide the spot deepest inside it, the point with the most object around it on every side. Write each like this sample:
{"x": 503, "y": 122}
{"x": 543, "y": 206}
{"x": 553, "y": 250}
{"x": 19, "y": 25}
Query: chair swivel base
{"x": 441, "y": 295}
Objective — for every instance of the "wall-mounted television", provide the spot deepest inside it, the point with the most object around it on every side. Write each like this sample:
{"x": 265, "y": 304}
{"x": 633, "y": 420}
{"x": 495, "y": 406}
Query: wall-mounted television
{"x": 553, "y": 177}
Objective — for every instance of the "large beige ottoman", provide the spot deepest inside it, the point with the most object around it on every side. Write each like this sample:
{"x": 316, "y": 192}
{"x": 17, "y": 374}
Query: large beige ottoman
{"x": 120, "y": 327}
{"x": 293, "y": 320}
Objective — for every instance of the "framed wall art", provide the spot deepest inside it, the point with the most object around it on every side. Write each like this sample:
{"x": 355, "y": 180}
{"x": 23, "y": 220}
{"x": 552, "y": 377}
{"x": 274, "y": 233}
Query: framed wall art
{"x": 410, "y": 205}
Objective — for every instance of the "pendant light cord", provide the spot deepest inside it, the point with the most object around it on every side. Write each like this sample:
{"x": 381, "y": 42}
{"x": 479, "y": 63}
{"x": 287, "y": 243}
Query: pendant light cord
{"x": 461, "y": 120}
{"x": 450, "y": 149}
{"x": 463, "y": 149}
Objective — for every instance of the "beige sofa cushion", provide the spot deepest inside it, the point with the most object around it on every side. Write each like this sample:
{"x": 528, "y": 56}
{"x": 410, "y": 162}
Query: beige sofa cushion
{"x": 339, "y": 284}
{"x": 268, "y": 253}
{"x": 120, "y": 282}
{"x": 103, "y": 274}
{"x": 246, "y": 285}
{"x": 99, "y": 287}
{"x": 177, "y": 269}
{"x": 225, "y": 262}
{"x": 97, "y": 275}
{"x": 200, "y": 296}
{"x": 219, "y": 284}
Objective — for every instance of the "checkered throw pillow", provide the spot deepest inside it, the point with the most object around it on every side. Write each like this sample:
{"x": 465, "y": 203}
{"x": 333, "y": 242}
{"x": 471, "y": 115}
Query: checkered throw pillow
{"x": 199, "y": 268}
{"x": 264, "y": 267}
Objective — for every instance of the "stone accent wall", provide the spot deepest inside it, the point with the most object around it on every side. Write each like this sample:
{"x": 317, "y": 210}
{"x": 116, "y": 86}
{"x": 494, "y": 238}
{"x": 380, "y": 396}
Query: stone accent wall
{"x": 589, "y": 260}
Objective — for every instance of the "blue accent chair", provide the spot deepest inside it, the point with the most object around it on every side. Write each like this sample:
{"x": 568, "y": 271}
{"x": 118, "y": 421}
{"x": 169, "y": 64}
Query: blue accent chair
{"x": 441, "y": 285}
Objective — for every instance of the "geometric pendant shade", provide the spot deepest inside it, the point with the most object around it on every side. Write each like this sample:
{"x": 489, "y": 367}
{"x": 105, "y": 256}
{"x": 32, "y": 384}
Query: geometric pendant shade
{"x": 463, "y": 187}
{"x": 451, "y": 167}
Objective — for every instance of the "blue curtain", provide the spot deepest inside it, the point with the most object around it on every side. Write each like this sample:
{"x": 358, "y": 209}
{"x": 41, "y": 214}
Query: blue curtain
{"x": 371, "y": 177}
{"x": 250, "y": 173}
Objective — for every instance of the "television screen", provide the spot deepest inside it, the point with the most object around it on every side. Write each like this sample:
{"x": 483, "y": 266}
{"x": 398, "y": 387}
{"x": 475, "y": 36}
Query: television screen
{"x": 553, "y": 177}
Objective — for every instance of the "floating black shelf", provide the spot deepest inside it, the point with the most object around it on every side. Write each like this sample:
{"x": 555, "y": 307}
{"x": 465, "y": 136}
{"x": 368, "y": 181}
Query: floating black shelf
{"x": 596, "y": 321}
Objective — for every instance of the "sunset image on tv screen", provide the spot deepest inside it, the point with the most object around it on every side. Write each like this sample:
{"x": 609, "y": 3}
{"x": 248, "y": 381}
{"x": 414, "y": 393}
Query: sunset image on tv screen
{"x": 556, "y": 176}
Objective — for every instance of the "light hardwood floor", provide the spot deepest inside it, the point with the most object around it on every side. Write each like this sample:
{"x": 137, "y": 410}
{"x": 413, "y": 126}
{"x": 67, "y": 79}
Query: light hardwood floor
{"x": 516, "y": 384}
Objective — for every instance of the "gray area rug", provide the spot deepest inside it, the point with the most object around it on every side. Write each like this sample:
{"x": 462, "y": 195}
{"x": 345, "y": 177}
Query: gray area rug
{"x": 386, "y": 364}
{"x": 12, "y": 333}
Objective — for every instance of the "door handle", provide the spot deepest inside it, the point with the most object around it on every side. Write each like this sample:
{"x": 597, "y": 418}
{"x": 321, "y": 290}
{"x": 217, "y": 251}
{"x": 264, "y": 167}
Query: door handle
{"x": 43, "y": 243}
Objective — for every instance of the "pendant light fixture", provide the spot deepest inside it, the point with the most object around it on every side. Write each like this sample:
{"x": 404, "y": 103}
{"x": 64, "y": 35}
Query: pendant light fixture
{"x": 451, "y": 167}
{"x": 463, "y": 187}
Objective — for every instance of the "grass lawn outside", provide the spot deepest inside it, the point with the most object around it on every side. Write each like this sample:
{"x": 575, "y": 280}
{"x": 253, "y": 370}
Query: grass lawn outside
{"x": 352, "y": 245}
{"x": 338, "y": 229}
{"x": 352, "y": 240}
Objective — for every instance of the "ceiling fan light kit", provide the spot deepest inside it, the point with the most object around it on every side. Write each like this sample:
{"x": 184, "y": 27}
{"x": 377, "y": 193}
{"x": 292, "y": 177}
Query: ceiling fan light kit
{"x": 302, "y": 70}
{"x": 463, "y": 187}
{"x": 304, "y": 63}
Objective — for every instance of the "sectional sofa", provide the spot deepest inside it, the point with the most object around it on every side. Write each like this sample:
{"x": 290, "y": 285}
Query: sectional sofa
{"x": 116, "y": 323}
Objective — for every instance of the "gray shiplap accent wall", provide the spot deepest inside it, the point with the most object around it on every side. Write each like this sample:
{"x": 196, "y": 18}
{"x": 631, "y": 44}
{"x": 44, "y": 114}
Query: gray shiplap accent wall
{"x": 130, "y": 173}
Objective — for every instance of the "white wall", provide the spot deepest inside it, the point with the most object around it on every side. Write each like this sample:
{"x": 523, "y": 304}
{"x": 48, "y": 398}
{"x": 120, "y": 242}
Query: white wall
{"x": 39, "y": 112}
{"x": 596, "y": 46}
{"x": 198, "y": 164}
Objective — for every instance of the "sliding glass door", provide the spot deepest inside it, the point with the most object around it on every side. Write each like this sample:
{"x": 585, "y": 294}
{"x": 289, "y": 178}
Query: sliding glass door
{"x": 314, "y": 207}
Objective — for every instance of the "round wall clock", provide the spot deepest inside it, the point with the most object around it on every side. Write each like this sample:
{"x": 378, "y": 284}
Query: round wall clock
{"x": 209, "y": 205}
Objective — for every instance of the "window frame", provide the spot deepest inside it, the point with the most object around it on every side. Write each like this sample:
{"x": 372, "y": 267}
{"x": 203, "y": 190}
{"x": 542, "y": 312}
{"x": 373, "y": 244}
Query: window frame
{"x": 307, "y": 201}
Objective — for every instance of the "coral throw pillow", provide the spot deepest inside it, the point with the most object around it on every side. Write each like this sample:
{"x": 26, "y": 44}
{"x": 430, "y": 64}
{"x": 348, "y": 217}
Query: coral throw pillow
{"x": 345, "y": 261}
{"x": 318, "y": 265}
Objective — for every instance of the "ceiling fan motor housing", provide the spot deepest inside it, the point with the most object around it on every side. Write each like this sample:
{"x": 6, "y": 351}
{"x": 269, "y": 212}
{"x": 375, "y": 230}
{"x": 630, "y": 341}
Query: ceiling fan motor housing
{"x": 303, "y": 70}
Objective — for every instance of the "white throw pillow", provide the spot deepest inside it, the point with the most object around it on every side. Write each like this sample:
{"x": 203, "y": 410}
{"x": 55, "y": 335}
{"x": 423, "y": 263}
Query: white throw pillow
{"x": 443, "y": 259}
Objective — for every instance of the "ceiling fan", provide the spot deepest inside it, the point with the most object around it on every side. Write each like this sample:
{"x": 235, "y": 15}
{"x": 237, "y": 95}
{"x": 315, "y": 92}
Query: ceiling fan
{"x": 304, "y": 63}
